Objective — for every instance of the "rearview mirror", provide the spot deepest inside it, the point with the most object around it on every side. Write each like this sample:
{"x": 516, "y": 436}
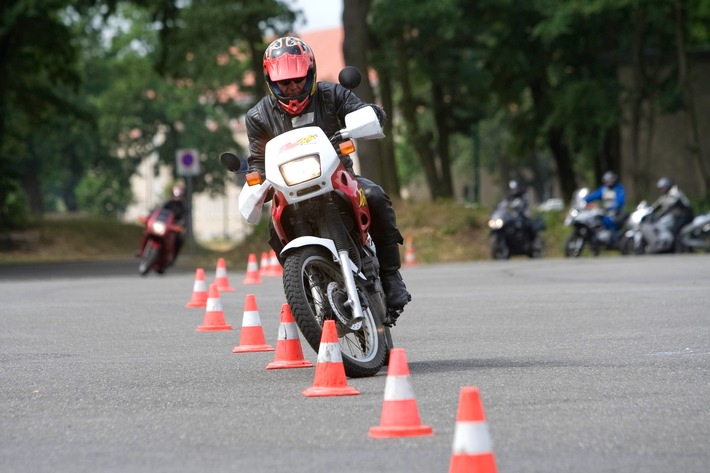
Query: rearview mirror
{"x": 230, "y": 161}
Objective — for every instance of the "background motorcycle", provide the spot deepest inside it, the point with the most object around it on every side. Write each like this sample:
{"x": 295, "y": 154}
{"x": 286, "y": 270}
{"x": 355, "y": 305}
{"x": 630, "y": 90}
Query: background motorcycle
{"x": 632, "y": 241}
{"x": 696, "y": 234}
{"x": 509, "y": 235}
{"x": 158, "y": 243}
{"x": 330, "y": 268}
{"x": 657, "y": 236}
{"x": 588, "y": 228}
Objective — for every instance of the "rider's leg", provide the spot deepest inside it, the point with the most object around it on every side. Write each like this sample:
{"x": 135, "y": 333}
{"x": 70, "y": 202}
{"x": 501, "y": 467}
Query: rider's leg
{"x": 387, "y": 237}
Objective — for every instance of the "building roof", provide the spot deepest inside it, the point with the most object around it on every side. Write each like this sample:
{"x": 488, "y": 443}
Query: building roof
{"x": 327, "y": 45}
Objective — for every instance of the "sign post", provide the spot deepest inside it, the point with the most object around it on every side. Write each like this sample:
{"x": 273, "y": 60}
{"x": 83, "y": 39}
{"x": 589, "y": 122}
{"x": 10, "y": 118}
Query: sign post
{"x": 187, "y": 164}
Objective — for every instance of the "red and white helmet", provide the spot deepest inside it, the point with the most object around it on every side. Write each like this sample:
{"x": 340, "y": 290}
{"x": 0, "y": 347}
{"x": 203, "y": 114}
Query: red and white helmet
{"x": 290, "y": 58}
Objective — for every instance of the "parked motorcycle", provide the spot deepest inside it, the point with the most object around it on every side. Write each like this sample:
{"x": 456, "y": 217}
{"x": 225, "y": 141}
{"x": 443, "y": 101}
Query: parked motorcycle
{"x": 696, "y": 234}
{"x": 330, "y": 266}
{"x": 632, "y": 241}
{"x": 159, "y": 240}
{"x": 586, "y": 220}
{"x": 512, "y": 233}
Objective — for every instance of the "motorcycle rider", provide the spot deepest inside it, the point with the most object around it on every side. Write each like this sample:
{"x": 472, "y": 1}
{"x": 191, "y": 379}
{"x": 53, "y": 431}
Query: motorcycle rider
{"x": 612, "y": 196}
{"x": 517, "y": 201}
{"x": 672, "y": 210}
{"x": 176, "y": 204}
{"x": 296, "y": 99}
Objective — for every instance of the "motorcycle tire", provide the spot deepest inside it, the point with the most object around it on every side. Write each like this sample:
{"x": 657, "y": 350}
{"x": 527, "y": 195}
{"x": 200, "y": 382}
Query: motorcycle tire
{"x": 150, "y": 256}
{"x": 314, "y": 288}
{"x": 574, "y": 245}
{"x": 499, "y": 248}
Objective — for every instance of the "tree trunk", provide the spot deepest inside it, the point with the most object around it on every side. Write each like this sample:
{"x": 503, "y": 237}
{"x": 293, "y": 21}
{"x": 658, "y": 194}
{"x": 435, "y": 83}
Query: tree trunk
{"x": 639, "y": 169}
{"x": 390, "y": 180}
{"x": 563, "y": 160}
{"x": 355, "y": 52}
{"x": 696, "y": 145}
{"x": 420, "y": 141}
{"x": 442, "y": 144}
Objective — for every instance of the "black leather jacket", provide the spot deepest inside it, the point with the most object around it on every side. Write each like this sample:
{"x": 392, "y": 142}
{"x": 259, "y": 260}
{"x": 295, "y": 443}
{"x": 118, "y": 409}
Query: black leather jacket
{"x": 327, "y": 109}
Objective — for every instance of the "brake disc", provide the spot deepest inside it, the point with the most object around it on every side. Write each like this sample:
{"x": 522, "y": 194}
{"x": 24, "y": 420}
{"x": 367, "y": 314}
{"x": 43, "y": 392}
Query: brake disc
{"x": 337, "y": 298}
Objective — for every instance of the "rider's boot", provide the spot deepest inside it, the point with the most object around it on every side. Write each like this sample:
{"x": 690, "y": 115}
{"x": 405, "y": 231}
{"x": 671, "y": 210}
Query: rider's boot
{"x": 392, "y": 283}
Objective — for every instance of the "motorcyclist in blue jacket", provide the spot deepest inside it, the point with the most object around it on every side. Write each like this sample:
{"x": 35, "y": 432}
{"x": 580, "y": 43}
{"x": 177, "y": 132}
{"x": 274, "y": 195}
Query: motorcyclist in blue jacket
{"x": 612, "y": 197}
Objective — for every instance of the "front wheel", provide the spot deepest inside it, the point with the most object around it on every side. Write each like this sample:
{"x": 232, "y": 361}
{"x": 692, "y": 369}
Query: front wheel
{"x": 499, "y": 247}
{"x": 315, "y": 290}
{"x": 574, "y": 245}
{"x": 150, "y": 256}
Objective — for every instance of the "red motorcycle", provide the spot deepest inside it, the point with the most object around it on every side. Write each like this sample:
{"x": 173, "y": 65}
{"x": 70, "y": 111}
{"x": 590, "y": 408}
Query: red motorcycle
{"x": 159, "y": 240}
{"x": 330, "y": 266}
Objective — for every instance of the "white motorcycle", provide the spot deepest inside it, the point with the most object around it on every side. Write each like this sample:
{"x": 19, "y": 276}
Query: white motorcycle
{"x": 320, "y": 214}
{"x": 588, "y": 227}
{"x": 696, "y": 234}
{"x": 632, "y": 241}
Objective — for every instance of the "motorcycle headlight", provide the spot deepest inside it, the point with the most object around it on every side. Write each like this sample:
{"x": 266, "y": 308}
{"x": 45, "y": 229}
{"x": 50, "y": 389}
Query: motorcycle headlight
{"x": 301, "y": 170}
{"x": 158, "y": 228}
{"x": 495, "y": 223}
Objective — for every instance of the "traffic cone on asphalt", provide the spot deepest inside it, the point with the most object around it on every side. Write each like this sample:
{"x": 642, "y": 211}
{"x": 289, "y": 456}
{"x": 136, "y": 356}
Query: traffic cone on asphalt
{"x": 214, "y": 315}
{"x": 409, "y": 257}
{"x": 330, "y": 373}
{"x": 400, "y": 415}
{"x": 275, "y": 268}
{"x": 199, "y": 290}
{"x": 472, "y": 448}
{"x": 220, "y": 277}
{"x": 288, "y": 347}
{"x": 252, "y": 275}
{"x": 264, "y": 265}
{"x": 251, "y": 338}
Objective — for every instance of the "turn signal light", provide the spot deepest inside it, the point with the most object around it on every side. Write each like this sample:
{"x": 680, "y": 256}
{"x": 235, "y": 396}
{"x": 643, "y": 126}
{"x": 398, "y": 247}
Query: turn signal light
{"x": 347, "y": 147}
{"x": 254, "y": 178}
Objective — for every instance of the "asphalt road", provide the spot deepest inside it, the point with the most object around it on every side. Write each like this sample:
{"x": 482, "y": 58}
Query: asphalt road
{"x": 586, "y": 365}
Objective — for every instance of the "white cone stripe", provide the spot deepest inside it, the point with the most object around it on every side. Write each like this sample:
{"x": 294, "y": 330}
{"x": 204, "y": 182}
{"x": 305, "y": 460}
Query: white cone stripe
{"x": 251, "y": 319}
{"x": 288, "y": 331}
{"x": 252, "y": 267}
{"x": 199, "y": 286}
{"x": 398, "y": 388}
{"x": 221, "y": 272}
{"x": 329, "y": 353}
{"x": 472, "y": 438}
{"x": 213, "y": 305}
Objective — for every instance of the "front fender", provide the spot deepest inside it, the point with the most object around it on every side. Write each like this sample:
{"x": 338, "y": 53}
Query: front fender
{"x": 317, "y": 241}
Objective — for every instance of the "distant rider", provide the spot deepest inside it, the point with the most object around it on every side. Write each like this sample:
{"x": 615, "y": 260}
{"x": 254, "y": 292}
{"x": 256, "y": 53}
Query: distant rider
{"x": 517, "y": 201}
{"x": 612, "y": 196}
{"x": 176, "y": 204}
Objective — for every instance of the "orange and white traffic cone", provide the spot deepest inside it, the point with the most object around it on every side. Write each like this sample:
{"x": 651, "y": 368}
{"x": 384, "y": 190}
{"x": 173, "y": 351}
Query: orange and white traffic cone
{"x": 199, "y": 290}
{"x": 214, "y": 315}
{"x": 472, "y": 447}
{"x": 251, "y": 338}
{"x": 288, "y": 347}
{"x": 275, "y": 268}
{"x": 400, "y": 415}
{"x": 220, "y": 277}
{"x": 264, "y": 268}
{"x": 409, "y": 257}
{"x": 252, "y": 275}
{"x": 330, "y": 373}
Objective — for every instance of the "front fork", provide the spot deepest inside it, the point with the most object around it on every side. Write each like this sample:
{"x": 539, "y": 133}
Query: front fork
{"x": 353, "y": 302}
